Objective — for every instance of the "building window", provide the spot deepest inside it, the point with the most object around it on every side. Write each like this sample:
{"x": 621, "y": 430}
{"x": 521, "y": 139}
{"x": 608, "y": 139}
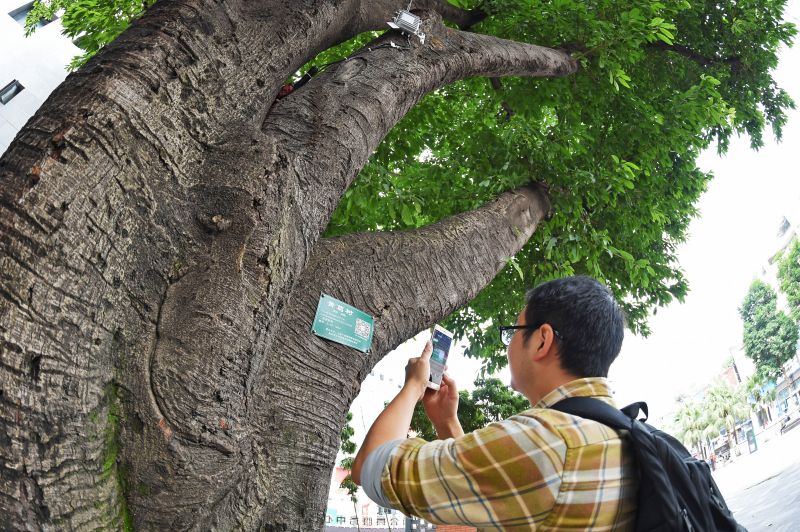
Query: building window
{"x": 8, "y": 92}
{"x": 21, "y": 13}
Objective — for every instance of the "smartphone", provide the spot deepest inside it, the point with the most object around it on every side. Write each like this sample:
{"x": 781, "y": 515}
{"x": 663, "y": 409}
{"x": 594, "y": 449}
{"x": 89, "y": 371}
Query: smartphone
{"x": 441, "y": 339}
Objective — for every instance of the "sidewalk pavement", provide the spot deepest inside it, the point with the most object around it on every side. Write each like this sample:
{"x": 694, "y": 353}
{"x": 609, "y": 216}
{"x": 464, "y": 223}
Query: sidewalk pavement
{"x": 770, "y": 506}
{"x": 771, "y": 458}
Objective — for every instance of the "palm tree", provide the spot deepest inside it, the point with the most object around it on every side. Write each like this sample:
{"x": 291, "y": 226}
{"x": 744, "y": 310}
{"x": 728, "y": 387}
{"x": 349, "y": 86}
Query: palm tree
{"x": 692, "y": 424}
{"x": 759, "y": 394}
{"x": 725, "y": 405}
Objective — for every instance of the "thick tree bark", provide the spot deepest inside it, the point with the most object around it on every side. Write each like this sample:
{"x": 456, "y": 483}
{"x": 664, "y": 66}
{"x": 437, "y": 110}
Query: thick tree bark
{"x": 407, "y": 281}
{"x": 159, "y": 259}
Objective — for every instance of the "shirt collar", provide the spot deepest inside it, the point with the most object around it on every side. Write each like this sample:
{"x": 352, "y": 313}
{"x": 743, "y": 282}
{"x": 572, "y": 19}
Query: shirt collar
{"x": 587, "y": 387}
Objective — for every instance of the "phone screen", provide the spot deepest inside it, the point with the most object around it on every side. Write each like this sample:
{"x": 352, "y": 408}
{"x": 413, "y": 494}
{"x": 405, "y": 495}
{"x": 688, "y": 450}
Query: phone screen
{"x": 441, "y": 349}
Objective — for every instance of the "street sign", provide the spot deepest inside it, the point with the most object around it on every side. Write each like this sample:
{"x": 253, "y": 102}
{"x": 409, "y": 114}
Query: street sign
{"x": 344, "y": 324}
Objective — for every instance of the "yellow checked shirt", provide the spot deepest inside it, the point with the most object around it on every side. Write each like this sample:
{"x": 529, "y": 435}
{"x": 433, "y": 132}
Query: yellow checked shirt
{"x": 539, "y": 470}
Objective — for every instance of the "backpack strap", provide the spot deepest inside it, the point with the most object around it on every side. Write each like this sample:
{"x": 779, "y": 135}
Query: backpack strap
{"x": 597, "y": 410}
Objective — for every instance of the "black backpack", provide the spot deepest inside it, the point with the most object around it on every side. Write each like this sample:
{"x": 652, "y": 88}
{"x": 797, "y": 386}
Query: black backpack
{"x": 676, "y": 491}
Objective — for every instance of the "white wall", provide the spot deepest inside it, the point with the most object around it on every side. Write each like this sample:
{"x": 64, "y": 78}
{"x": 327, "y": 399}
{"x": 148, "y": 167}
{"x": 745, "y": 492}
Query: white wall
{"x": 38, "y": 62}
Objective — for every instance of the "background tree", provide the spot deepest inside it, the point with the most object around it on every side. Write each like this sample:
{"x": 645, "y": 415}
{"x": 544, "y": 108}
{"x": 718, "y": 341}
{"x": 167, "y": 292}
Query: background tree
{"x": 761, "y": 393}
{"x": 770, "y": 336}
{"x": 348, "y": 447}
{"x": 167, "y": 224}
{"x": 91, "y": 24}
{"x": 692, "y": 426}
{"x": 789, "y": 278}
{"x": 726, "y": 406}
{"x": 489, "y": 401}
{"x": 497, "y": 401}
{"x": 351, "y": 487}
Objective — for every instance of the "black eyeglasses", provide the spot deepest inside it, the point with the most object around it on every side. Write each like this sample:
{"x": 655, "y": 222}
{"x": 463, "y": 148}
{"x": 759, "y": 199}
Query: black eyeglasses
{"x": 507, "y": 332}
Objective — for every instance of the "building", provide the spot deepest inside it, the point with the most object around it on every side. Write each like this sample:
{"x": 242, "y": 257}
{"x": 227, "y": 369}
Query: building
{"x": 30, "y": 67}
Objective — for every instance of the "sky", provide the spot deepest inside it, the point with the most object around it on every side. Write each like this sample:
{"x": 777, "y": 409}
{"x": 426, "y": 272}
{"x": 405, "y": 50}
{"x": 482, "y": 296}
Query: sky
{"x": 727, "y": 247}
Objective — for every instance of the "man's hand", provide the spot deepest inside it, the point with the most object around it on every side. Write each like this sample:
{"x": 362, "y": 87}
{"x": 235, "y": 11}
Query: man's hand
{"x": 393, "y": 422}
{"x": 418, "y": 372}
{"x": 441, "y": 406}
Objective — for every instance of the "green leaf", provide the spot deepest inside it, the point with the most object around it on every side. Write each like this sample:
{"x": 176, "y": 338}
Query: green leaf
{"x": 516, "y": 266}
{"x": 407, "y": 215}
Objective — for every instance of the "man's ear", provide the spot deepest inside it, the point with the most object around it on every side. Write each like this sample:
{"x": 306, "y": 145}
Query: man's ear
{"x": 544, "y": 343}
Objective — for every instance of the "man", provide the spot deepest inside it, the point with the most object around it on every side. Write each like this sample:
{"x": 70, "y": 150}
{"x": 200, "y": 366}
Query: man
{"x": 541, "y": 469}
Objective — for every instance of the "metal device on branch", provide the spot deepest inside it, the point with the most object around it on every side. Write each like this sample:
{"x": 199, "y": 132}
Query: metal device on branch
{"x": 408, "y": 22}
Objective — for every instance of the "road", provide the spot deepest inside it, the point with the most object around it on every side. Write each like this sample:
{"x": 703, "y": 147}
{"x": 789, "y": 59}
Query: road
{"x": 773, "y": 504}
{"x": 763, "y": 489}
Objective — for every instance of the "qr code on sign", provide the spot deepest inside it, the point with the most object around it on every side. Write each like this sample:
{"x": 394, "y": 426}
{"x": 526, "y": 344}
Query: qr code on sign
{"x": 363, "y": 329}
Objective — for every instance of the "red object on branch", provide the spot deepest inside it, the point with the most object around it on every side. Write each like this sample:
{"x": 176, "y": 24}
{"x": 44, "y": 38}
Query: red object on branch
{"x": 285, "y": 91}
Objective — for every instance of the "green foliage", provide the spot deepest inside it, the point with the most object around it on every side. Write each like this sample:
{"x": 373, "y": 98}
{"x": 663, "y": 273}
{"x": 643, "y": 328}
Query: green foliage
{"x": 770, "y": 336}
{"x": 761, "y": 392}
{"x": 617, "y": 144}
{"x": 90, "y": 23}
{"x": 725, "y": 406}
{"x": 789, "y": 277}
{"x": 350, "y": 486}
{"x": 692, "y": 424}
{"x": 496, "y": 401}
{"x": 348, "y": 445}
{"x": 722, "y": 406}
{"x": 349, "y": 448}
{"x": 491, "y": 400}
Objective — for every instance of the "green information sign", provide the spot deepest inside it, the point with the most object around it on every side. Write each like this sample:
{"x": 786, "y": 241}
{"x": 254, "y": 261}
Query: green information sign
{"x": 338, "y": 321}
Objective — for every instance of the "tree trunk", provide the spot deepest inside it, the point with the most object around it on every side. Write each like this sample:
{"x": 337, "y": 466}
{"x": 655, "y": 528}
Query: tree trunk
{"x": 355, "y": 509}
{"x": 161, "y": 260}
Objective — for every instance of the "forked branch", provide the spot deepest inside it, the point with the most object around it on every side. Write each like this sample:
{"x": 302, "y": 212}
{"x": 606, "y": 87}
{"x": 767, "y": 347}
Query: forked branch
{"x": 408, "y": 280}
{"x": 346, "y": 111}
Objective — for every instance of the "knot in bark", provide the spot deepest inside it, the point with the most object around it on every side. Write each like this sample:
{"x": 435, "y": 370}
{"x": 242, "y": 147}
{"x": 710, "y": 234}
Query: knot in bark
{"x": 220, "y": 222}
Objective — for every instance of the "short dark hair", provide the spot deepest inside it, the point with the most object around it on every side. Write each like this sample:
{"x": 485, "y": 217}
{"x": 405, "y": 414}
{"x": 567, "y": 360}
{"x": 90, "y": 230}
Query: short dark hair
{"x": 586, "y": 316}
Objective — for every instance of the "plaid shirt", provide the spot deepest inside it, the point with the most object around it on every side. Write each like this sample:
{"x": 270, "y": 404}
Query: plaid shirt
{"x": 539, "y": 470}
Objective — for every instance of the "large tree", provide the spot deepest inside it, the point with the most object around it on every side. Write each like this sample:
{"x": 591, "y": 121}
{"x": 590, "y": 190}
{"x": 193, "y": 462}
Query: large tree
{"x": 693, "y": 425}
{"x": 789, "y": 277}
{"x": 770, "y": 335}
{"x": 726, "y": 406}
{"x": 167, "y": 224}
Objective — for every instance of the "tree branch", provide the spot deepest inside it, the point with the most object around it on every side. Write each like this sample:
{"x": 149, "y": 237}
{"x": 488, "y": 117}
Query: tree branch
{"x": 463, "y": 18}
{"x": 329, "y": 128}
{"x": 407, "y": 280}
{"x": 700, "y": 59}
